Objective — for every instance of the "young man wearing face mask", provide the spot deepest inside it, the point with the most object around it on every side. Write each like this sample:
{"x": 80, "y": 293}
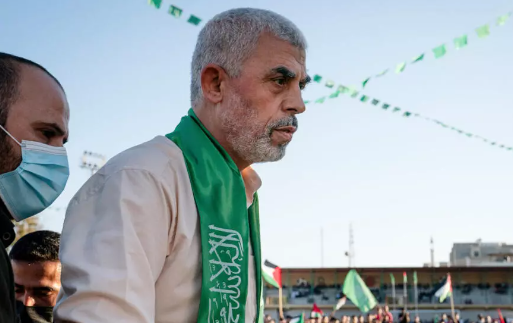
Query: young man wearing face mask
{"x": 37, "y": 275}
{"x": 34, "y": 116}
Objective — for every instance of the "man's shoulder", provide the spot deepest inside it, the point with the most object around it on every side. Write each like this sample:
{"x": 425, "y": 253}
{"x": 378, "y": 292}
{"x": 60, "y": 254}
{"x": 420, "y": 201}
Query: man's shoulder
{"x": 155, "y": 156}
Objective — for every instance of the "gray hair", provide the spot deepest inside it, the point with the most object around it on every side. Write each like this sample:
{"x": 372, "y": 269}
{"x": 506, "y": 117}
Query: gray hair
{"x": 231, "y": 36}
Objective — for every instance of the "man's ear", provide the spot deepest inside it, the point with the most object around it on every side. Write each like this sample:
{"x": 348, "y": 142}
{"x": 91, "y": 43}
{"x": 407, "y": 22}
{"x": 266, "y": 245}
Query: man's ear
{"x": 212, "y": 79}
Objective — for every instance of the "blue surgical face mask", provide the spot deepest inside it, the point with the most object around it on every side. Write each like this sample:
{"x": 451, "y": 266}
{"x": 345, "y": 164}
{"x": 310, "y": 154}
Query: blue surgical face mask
{"x": 37, "y": 182}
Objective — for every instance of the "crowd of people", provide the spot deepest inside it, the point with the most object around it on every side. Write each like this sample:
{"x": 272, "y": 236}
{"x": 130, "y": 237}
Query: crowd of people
{"x": 384, "y": 315}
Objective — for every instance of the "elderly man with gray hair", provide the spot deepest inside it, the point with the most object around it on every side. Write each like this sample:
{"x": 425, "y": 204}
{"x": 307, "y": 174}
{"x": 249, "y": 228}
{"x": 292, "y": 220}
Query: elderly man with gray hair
{"x": 168, "y": 231}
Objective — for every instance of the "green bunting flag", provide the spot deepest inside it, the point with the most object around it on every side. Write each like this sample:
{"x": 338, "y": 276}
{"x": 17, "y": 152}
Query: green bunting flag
{"x": 175, "y": 11}
{"x": 418, "y": 58}
{"x": 317, "y": 78}
{"x": 407, "y": 114}
{"x": 155, "y": 3}
{"x": 483, "y": 31}
{"x": 439, "y": 51}
{"x": 400, "y": 67}
{"x": 460, "y": 42}
{"x": 194, "y": 20}
{"x": 380, "y": 74}
{"x": 501, "y": 21}
{"x": 330, "y": 84}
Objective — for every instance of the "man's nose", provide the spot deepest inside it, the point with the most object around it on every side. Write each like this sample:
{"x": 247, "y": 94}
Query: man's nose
{"x": 295, "y": 103}
{"x": 28, "y": 300}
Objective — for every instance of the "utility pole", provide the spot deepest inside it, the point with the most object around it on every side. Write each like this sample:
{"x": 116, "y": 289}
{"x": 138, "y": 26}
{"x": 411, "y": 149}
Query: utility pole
{"x": 322, "y": 247}
{"x": 350, "y": 253}
{"x": 92, "y": 161}
{"x": 432, "y": 253}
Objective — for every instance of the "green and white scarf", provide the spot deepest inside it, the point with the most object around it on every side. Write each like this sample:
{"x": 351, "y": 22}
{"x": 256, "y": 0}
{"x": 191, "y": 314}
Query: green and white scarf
{"x": 226, "y": 224}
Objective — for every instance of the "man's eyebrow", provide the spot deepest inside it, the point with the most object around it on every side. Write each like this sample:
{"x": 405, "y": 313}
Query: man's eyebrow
{"x": 44, "y": 289}
{"x": 284, "y": 71}
{"x": 58, "y": 130}
{"x": 306, "y": 80}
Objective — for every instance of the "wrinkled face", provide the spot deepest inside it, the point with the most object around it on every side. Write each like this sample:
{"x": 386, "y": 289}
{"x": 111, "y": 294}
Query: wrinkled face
{"x": 258, "y": 111}
{"x": 39, "y": 113}
{"x": 38, "y": 283}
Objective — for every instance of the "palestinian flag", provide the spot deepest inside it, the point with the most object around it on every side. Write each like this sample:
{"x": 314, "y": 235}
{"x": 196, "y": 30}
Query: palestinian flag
{"x": 445, "y": 290}
{"x": 298, "y": 319}
{"x": 316, "y": 312}
{"x": 272, "y": 274}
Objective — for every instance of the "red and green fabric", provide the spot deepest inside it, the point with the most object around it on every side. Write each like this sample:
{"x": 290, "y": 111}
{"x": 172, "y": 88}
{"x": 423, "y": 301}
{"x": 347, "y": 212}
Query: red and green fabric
{"x": 272, "y": 274}
{"x": 316, "y": 312}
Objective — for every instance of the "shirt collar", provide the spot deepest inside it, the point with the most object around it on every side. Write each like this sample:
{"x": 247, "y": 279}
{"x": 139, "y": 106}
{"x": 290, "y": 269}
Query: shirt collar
{"x": 252, "y": 183}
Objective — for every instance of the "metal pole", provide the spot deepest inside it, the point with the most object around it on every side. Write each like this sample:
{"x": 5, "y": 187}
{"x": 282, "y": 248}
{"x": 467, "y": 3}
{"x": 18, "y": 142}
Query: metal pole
{"x": 322, "y": 248}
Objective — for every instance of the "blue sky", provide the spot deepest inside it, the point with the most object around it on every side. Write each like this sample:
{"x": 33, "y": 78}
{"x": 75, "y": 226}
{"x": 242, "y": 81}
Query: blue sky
{"x": 125, "y": 67}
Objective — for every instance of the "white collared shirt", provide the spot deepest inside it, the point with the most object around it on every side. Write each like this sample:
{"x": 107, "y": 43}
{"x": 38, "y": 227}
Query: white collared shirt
{"x": 131, "y": 245}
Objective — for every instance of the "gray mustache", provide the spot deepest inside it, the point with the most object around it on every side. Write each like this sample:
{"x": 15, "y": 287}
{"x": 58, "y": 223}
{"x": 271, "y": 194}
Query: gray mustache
{"x": 285, "y": 122}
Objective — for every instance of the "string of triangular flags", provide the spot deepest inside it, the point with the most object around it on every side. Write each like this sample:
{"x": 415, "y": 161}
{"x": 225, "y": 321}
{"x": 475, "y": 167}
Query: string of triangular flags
{"x": 437, "y": 52}
{"x": 175, "y": 12}
{"x": 399, "y": 111}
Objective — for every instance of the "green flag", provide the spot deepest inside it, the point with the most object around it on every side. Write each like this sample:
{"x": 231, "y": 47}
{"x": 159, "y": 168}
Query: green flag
{"x": 418, "y": 58}
{"x": 330, "y": 84}
{"x": 375, "y": 102}
{"x": 342, "y": 89}
{"x": 317, "y": 78}
{"x": 175, "y": 11}
{"x": 415, "y": 281}
{"x": 392, "y": 280}
{"x": 356, "y": 290}
{"x": 334, "y": 95}
{"x": 365, "y": 82}
{"x": 155, "y": 3}
{"x": 385, "y": 106}
{"x": 400, "y": 67}
{"x": 439, "y": 51}
{"x": 320, "y": 100}
{"x": 364, "y": 98}
{"x": 407, "y": 114}
{"x": 382, "y": 73}
{"x": 396, "y": 109}
{"x": 460, "y": 42}
{"x": 483, "y": 31}
{"x": 502, "y": 20}
{"x": 194, "y": 20}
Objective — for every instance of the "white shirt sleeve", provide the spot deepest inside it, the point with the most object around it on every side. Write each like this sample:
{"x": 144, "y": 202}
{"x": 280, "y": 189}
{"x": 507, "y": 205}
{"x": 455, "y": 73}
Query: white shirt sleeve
{"x": 113, "y": 247}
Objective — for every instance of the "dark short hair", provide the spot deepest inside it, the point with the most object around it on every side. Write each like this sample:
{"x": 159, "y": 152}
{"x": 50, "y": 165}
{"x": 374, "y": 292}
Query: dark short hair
{"x": 37, "y": 246}
{"x": 9, "y": 81}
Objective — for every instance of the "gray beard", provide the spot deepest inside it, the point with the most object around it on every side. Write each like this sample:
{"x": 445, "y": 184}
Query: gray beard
{"x": 249, "y": 138}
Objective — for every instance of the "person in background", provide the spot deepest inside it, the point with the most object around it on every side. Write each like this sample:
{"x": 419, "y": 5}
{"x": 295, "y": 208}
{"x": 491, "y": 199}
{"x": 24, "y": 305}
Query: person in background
{"x": 361, "y": 319}
{"x": 417, "y": 319}
{"x": 354, "y": 319}
{"x": 388, "y": 313}
{"x": 37, "y": 275}
{"x": 344, "y": 319}
{"x": 445, "y": 318}
{"x": 34, "y": 117}
{"x": 151, "y": 233}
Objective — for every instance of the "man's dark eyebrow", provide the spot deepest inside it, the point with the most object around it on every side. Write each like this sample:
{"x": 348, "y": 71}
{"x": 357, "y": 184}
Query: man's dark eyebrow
{"x": 43, "y": 289}
{"x": 306, "y": 80}
{"x": 284, "y": 71}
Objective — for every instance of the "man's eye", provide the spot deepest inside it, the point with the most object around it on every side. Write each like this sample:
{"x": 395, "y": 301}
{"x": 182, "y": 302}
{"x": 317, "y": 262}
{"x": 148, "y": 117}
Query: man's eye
{"x": 280, "y": 81}
{"x": 49, "y": 134}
